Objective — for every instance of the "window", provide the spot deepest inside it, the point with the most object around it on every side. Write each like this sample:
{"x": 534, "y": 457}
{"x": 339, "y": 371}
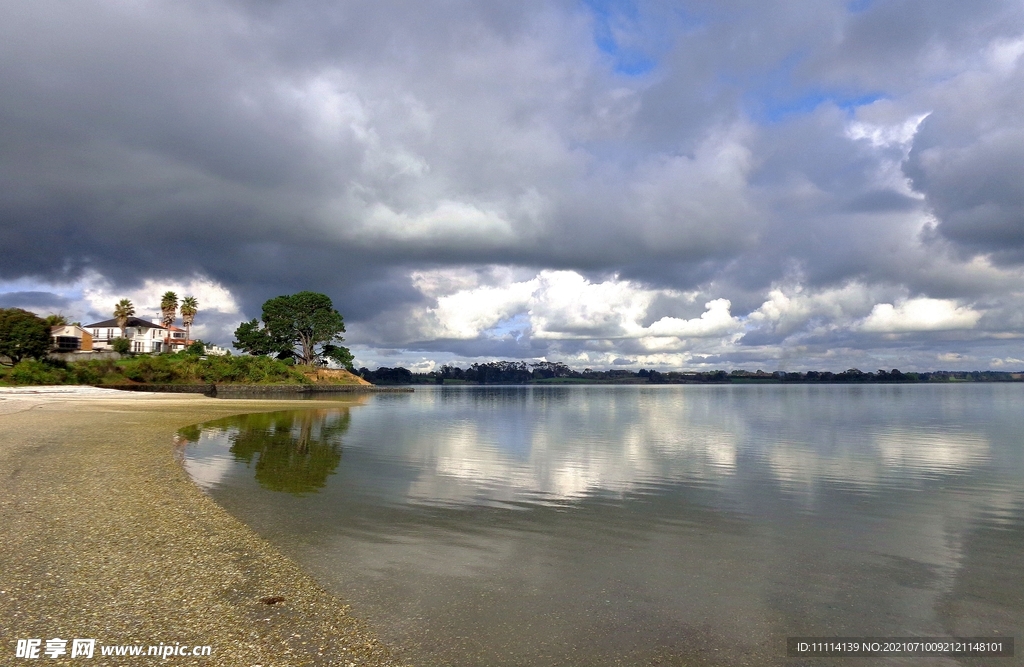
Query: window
{"x": 67, "y": 343}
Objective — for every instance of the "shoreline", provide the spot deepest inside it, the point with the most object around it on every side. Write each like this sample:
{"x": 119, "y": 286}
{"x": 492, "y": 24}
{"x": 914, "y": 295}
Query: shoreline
{"x": 244, "y": 390}
{"x": 106, "y": 537}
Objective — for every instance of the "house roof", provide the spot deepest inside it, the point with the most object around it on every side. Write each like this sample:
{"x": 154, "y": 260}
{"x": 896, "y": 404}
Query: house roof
{"x": 132, "y": 322}
{"x": 61, "y": 327}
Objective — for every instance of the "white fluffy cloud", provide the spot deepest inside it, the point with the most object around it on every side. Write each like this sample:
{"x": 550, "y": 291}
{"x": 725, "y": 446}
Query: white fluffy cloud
{"x": 564, "y": 306}
{"x": 715, "y": 321}
{"x": 787, "y": 311}
{"x": 450, "y": 223}
{"x": 101, "y": 296}
{"x": 884, "y": 136}
{"x": 468, "y": 313}
{"x": 568, "y": 306}
{"x": 919, "y": 315}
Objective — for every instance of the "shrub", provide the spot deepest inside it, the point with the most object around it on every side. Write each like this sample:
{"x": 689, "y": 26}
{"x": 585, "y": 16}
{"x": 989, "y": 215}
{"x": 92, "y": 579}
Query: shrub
{"x": 149, "y": 369}
{"x": 248, "y": 370}
{"x": 96, "y": 372}
{"x": 188, "y": 368}
{"x": 84, "y": 374}
{"x": 30, "y": 371}
{"x": 181, "y": 367}
{"x": 121, "y": 345}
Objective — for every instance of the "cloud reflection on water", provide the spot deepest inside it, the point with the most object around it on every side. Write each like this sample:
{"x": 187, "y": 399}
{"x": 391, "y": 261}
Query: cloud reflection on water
{"x": 554, "y": 457}
{"x": 647, "y": 519}
{"x": 662, "y": 438}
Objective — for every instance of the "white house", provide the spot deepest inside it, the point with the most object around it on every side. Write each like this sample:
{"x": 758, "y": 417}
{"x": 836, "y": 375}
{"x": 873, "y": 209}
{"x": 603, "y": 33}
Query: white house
{"x": 144, "y": 336}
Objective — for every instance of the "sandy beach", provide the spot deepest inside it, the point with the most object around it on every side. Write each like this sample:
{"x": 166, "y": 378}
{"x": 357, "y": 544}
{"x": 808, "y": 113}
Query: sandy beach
{"x": 105, "y": 537}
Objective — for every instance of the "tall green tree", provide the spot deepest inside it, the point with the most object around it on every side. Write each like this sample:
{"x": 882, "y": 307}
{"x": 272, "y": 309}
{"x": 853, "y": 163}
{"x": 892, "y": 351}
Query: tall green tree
{"x": 253, "y": 339}
{"x": 23, "y": 335}
{"x": 56, "y": 320}
{"x": 122, "y": 311}
{"x": 189, "y": 308}
{"x": 304, "y": 325}
{"x": 168, "y": 308}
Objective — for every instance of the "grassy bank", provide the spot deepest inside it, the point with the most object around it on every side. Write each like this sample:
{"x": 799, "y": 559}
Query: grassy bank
{"x": 179, "y": 368}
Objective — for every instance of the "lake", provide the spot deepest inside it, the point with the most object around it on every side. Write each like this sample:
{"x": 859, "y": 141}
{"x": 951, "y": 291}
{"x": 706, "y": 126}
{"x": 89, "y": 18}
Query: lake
{"x": 661, "y": 525}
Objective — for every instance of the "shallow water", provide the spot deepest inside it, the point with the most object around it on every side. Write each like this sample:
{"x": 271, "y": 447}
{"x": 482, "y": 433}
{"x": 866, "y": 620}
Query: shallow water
{"x": 643, "y": 525}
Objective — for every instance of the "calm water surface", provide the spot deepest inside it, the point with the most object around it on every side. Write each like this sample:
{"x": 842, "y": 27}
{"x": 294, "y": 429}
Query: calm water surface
{"x": 643, "y": 525}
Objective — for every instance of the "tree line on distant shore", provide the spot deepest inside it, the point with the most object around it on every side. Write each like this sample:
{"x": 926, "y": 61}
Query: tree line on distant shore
{"x": 546, "y": 372}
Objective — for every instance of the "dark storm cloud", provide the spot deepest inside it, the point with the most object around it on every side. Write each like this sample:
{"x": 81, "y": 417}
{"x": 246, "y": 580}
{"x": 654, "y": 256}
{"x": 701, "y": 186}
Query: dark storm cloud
{"x": 506, "y": 347}
{"x": 44, "y": 301}
{"x": 969, "y": 167}
{"x": 696, "y": 147}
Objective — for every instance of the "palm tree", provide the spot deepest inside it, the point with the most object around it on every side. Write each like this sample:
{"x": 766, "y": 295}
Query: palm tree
{"x": 122, "y": 311}
{"x": 168, "y": 308}
{"x": 189, "y": 308}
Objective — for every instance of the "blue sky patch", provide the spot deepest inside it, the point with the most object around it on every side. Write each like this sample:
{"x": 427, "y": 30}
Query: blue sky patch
{"x": 514, "y": 326}
{"x": 778, "y": 109}
{"x": 858, "y": 6}
{"x": 632, "y": 39}
{"x": 776, "y": 97}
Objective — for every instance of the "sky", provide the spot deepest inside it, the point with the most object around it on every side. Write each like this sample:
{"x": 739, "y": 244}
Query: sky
{"x": 698, "y": 185}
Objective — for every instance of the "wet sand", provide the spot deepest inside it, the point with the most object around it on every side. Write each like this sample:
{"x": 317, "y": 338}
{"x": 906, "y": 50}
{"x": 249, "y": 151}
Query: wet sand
{"x": 105, "y": 537}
